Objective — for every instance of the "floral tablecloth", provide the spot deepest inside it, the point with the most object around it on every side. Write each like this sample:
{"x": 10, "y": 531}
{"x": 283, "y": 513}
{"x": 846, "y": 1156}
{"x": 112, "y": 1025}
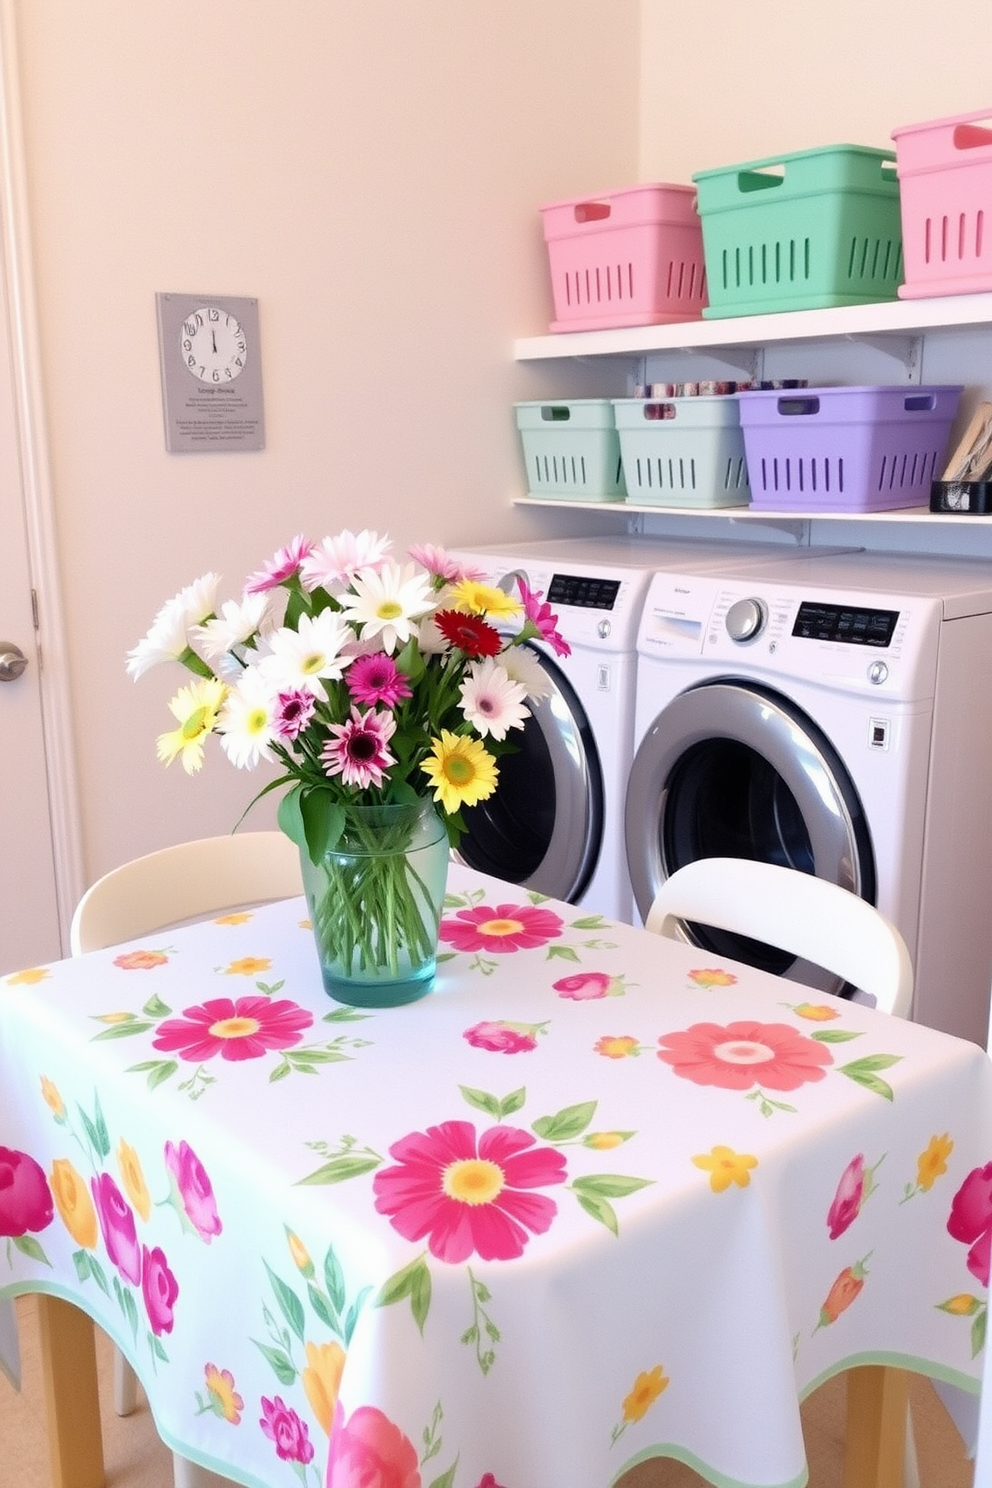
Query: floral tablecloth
{"x": 597, "y": 1198}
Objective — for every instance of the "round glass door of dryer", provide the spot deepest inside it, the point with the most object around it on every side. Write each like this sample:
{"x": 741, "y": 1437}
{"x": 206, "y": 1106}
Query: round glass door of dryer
{"x": 543, "y": 826}
{"x": 733, "y": 769}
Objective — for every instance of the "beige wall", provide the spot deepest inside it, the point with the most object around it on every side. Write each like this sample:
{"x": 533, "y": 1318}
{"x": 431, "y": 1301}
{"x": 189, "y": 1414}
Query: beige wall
{"x": 371, "y": 172}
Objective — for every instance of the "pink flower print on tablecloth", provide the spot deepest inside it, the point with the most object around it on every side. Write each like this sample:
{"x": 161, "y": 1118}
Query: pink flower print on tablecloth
{"x": 740, "y": 1055}
{"x": 117, "y": 1227}
{"x": 470, "y": 1194}
{"x": 159, "y": 1289}
{"x": 192, "y": 1193}
{"x": 503, "y": 1038}
{"x": 586, "y": 986}
{"x": 26, "y": 1204}
{"x": 234, "y": 1027}
{"x": 283, "y": 1426}
{"x": 847, "y": 1201}
{"x": 507, "y": 927}
{"x": 971, "y": 1220}
{"x": 141, "y": 960}
{"x": 368, "y": 1449}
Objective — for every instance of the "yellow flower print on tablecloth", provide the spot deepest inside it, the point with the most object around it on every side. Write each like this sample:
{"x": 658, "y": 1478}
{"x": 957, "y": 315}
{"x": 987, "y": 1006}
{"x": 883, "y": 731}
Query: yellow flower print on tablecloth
{"x": 140, "y": 960}
{"x": 814, "y": 1012}
{"x": 134, "y": 1179}
{"x": 725, "y": 1166}
{"x": 74, "y": 1204}
{"x": 249, "y": 966}
{"x": 712, "y": 976}
{"x": 222, "y": 1399}
{"x": 617, "y": 1048}
{"x": 648, "y": 1385}
{"x": 239, "y": 917}
{"x": 30, "y": 977}
{"x": 52, "y": 1098}
{"x": 322, "y": 1380}
{"x": 930, "y": 1165}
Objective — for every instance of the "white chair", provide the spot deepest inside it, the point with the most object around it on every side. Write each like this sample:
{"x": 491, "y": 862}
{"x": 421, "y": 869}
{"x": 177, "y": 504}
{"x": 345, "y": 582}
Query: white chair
{"x": 812, "y": 919}
{"x": 190, "y": 881}
{"x": 806, "y": 916}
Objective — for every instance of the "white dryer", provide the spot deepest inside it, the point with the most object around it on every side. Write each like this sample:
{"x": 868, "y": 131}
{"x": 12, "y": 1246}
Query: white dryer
{"x": 838, "y": 719}
{"x": 556, "y": 822}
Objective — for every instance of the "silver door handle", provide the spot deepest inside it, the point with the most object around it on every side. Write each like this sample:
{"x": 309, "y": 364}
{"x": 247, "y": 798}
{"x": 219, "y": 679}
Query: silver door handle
{"x": 12, "y": 661}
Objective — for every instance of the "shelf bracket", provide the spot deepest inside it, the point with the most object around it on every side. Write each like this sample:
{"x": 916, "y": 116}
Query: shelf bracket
{"x": 747, "y": 359}
{"x": 794, "y": 527}
{"x": 905, "y": 349}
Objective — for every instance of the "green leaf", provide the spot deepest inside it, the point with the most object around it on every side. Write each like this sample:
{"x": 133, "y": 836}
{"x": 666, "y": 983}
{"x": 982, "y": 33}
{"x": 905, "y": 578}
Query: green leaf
{"x": 414, "y": 1281}
{"x": 29, "y": 1246}
{"x": 323, "y": 822}
{"x": 447, "y": 1479}
{"x": 351, "y": 1317}
{"x": 323, "y": 1308}
{"x": 156, "y": 1008}
{"x": 122, "y": 1030}
{"x": 589, "y": 922}
{"x": 600, "y": 1209}
{"x": 567, "y": 1123}
{"x": 290, "y": 817}
{"x": 562, "y": 953}
{"x": 289, "y": 1303}
{"x": 863, "y": 1073}
{"x": 873, "y": 1062}
{"x": 280, "y": 1361}
{"x": 835, "y": 1035}
{"x": 339, "y": 1169}
{"x": 334, "y": 1280}
{"x": 129, "y": 1308}
{"x": 482, "y": 1101}
{"x": 978, "y": 1333}
{"x": 610, "y": 1185}
{"x": 512, "y": 1102}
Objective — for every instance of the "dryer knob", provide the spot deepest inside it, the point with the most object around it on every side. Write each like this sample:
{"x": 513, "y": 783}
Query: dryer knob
{"x": 604, "y": 630}
{"x": 746, "y": 619}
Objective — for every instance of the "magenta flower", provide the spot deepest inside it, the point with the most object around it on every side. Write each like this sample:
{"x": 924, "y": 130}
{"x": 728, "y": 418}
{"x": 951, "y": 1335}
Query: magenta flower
{"x": 280, "y": 568}
{"x": 971, "y": 1220}
{"x": 470, "y": 1195}
{"x": 194, "y": 1190}
{"x": 235, "y": 1028}
{"x": 358, "y": 751}
{"x": 586, "y": 985}
{"x": 283, "y": 1426}
{"x": 159, "y": 1289}
{"x": 293, "y": 712}
{"x": 542, "y": 618}
{"x": 508, "y": 927}
{"x": 117, "y": 1227}
{"x": 25, "y": 1198}
{"x": 377, "y": 679}
{"x": 368, "y": 1449}
{"x": 500, "y": 1038}
{"x": 850, "y": 1195}
{"x": 488, "y": 1481}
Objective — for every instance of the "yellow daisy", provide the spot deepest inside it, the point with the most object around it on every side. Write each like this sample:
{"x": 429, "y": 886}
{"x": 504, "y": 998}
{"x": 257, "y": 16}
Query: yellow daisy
{"x": 483, "y": 599}
{"x": 196, "y": 707}
{"x": 461, "y": 771}
{"x": 932, "y": 1164}
{"x": 725, "y": 1166}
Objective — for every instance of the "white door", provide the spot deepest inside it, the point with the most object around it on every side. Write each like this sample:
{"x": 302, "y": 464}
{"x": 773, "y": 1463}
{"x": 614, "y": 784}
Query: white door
{"x": 29, "y": 920}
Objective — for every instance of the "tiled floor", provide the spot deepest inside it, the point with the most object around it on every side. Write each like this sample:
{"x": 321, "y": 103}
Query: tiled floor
{"x": 135, "y": 1458}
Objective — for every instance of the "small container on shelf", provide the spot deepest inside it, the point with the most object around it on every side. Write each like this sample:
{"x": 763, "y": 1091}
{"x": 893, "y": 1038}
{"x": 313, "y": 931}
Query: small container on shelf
{"x": 683, "y": 451}
{"x": 802, "y": 231}
{"x": 571, "y": 449}
{"x": 945, "y": 184}
{"x": 626, "y": 258}
{"x": 846, "y": 449}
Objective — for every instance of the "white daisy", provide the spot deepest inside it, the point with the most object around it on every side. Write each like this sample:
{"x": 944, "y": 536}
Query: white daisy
{"x": 246, "y": 721}
{"x": 170, "y": 633}
{"x": 235, "y": 624}
{"x": 491, "y": 700}
{"x": 337, "y": 560}
{"x": 522, "y": 664}
{"x": 386, "y": 602}
{"x": 300, "y": 658}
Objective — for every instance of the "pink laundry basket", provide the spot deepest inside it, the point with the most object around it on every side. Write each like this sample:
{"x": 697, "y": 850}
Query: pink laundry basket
{"x": 629, "y": 257}
{"x": 945, "y": 191}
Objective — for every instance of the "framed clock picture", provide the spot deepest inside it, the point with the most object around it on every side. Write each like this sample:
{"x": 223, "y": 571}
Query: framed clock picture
{"x": 211, "y": 373}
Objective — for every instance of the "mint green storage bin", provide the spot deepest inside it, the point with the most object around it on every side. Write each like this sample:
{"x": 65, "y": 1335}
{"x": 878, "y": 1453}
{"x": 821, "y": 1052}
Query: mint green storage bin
{"x": 801, "y": 232}
{"x": 683, "y": 452}
{"x": 571, "y": 449}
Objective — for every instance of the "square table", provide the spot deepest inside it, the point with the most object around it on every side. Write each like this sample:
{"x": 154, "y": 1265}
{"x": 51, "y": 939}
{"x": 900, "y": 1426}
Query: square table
{"x": 598, "y": 1197}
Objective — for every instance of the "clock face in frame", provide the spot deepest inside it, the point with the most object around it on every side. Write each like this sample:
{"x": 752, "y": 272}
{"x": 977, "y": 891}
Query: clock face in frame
{"x": 213, "y": 344}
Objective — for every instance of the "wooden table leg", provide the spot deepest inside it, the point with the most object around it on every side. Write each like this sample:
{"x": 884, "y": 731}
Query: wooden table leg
{"x": 72, "y": 1402}
{"x": 877, "y": 1413}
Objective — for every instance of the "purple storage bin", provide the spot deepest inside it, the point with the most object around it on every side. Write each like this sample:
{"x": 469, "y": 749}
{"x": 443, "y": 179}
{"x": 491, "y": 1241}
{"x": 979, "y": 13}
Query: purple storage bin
{"x": 846, "y": 449}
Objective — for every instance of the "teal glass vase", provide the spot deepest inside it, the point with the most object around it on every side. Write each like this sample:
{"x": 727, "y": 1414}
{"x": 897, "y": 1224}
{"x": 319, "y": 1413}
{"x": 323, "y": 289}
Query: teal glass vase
{"x": 375, "y": 903}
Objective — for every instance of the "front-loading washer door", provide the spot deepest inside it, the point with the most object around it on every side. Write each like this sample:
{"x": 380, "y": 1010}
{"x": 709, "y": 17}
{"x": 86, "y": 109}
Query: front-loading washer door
{"x": 733, "y": 769}
{"x": 543, "y": 826}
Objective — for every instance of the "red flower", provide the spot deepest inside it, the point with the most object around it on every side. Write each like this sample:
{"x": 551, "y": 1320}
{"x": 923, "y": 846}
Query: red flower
{"x": 849, "y": 1197}
{"x": 470, "y": 633}
{"x": 234, "y": 1028}
{"x": 508, "y": 927}
{"x": 743, "y": 1054}
{"x": 368, "y": 1449}
{"x": 971, "y": 1220}
{"x": 25, "y": 1198}
{"x": 469, "y": 1194}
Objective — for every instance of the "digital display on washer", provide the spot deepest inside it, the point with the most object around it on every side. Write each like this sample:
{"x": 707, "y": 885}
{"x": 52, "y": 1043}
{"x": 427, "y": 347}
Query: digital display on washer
{"x": 858, "y": 627}
{"x": 583, "y": 593}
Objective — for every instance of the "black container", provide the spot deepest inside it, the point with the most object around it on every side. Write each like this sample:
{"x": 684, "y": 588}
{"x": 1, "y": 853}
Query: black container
{"x": 961, "y": 498}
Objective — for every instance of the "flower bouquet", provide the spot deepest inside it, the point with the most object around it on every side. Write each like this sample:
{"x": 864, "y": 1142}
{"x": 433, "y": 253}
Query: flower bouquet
{"x": 384, "y": 693}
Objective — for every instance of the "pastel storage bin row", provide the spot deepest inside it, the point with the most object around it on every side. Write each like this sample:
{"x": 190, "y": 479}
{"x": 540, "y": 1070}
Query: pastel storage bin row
{"x": 945, "y": 182}
{"x": 683, "y": 452}
{"x": 630, "y": 257}
{"x": 571, "y": 449}
{"x": 801, "y": 231}
{"x": 846, "y": 449}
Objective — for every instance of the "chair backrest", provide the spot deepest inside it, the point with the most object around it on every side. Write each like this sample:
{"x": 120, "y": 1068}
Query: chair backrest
{"x": 806, "y": 916}
{"x": 185, "y": 882}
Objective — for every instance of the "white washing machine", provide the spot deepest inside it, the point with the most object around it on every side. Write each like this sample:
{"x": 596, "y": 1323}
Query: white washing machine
{"x": 556, "y": 822}
{"x": 838, "y": 719}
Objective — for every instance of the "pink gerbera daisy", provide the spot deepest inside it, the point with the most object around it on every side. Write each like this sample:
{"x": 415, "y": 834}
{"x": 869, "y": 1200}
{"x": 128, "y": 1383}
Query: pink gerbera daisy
{"x": 542, "y": 618}
{"x": 469, "y": 1194}
{"x": 292, "y": 712}
{"x": 358, "y": 751}
{"x": 280, "y": 568}
{"x": 235, "y": 1028}
{"x": 377, "y": 679}
{"x": 508, "y": 927}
